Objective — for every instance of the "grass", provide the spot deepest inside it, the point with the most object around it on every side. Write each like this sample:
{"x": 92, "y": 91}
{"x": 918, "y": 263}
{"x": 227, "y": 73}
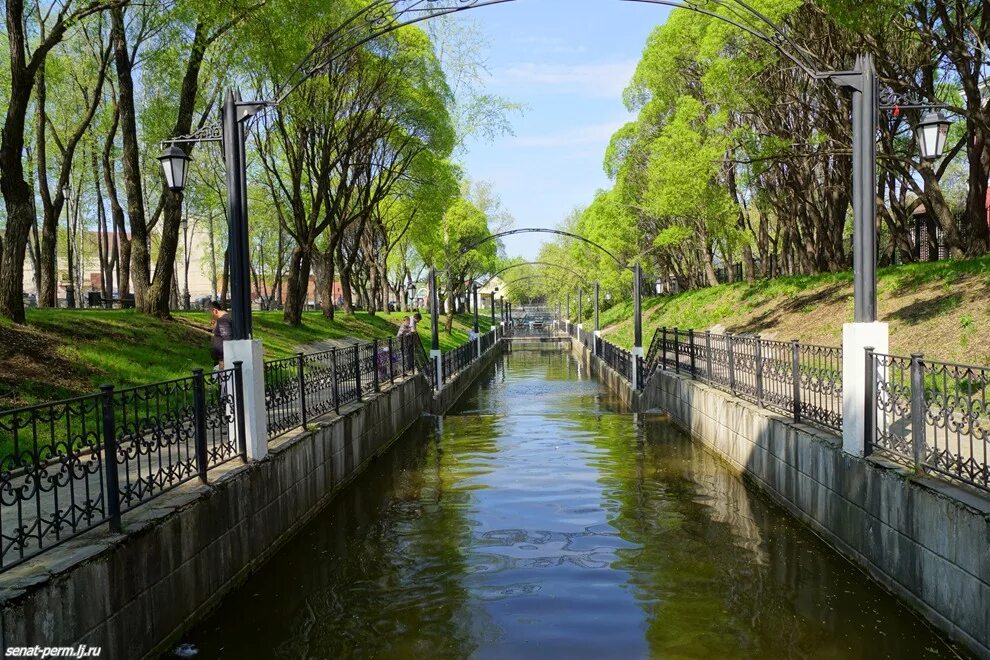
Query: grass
{"x": 941, "y": 309}
{"x": 63, "y": 353}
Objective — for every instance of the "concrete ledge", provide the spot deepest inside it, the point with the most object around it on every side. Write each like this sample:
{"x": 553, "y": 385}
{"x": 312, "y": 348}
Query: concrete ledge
{"x": 925, "y": 540}
{"x": 134, "y": 594}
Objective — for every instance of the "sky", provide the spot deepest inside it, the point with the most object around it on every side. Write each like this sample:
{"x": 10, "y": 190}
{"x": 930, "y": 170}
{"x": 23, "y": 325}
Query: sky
{"x": 567, "y": 62}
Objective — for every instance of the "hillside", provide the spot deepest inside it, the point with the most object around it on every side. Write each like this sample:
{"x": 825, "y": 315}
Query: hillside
{"x": 941, "y": 309}
{"x": 62, "y": 353}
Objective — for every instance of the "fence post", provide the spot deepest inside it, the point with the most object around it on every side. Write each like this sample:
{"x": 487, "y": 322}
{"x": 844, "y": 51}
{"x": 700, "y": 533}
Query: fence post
{"x": 708, "y": 354}
{"x": 732, "y": 362}
{"x": 357, "y": 369}
{"x": 391, "y": 365}
{"x": 663, "y": 345}
{"x": 199, "y": 422}
{"x": 918, "y": 410}
{"x": 375, "y": 380}
{"x": 796, "y": 378}
{"x": 301, "y": 378}
{"x": 758, "y": 352}
{"x": 336, "y": 381}
{"x": 870, "y": 410}
{"x": 110, "y": 458}
{"x": 239, "y": 410}
{"x": 691, "y": 350}
{"x": 677, "y": 350}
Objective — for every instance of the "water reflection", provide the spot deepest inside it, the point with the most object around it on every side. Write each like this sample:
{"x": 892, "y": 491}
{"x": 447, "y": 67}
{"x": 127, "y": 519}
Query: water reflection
{"x": 539, "y": 519}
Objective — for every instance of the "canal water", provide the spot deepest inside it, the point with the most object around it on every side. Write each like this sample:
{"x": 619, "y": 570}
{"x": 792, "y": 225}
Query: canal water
{"x": 538, "y": 519}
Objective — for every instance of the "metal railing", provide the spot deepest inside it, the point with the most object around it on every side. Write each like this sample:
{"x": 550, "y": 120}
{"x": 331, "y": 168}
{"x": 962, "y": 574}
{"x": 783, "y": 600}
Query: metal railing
{"x": 618, "y": 358}
{"x": 305, "y": 386}
{"x": 934, "y": 416}
{"x": 456, "y": 360}
{"x": 803, "y": 381}
{"x": 71, "y": 465}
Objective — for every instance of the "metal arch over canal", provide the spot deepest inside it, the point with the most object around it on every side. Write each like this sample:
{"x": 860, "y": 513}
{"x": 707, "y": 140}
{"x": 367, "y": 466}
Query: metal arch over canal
{"x": 549, "y": 264}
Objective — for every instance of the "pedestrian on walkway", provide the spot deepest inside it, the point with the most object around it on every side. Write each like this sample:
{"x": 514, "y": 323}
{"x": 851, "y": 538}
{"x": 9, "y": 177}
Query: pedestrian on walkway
{"x": 223, "y": 330}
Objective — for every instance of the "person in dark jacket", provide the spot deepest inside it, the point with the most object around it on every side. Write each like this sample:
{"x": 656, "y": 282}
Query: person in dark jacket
{"x": 223, "y": 330}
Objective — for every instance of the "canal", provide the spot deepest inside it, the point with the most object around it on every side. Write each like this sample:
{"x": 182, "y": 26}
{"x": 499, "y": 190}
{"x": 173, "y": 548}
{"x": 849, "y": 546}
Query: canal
{"x": 538, "y": 519}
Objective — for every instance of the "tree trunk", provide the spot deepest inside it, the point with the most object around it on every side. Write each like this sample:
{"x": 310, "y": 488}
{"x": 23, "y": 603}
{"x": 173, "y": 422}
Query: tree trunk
{"x": 297, "y": 289}
{"x": 140, "y": 265}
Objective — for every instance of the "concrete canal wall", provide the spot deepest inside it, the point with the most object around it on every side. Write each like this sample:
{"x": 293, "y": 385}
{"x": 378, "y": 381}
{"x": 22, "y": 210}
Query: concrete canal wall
{"x": 927, "y": 541}
{"x": 133, "y": 594}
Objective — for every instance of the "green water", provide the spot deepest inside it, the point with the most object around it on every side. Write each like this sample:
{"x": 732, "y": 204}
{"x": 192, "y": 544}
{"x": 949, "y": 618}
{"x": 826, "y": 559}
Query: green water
{"x": 540, "y": 520}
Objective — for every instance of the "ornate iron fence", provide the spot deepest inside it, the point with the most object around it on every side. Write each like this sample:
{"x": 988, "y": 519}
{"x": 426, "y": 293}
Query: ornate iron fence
{"x": 458, "y": 359}
{"x": 69, "y": 466}
{"x": 800, "y": 380}
{"x": 303, "y": 387}
{"x": 615, "y": 357}
{"x": 932, "y": 415}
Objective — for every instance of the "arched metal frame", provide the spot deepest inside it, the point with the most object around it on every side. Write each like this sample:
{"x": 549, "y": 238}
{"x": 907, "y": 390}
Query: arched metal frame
{"x": 549, "y": 264}
{"x": 543, "y": 230}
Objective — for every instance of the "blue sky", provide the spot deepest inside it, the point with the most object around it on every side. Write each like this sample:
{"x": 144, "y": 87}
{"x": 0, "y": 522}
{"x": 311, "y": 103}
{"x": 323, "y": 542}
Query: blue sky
{"x": 567, "y": 61}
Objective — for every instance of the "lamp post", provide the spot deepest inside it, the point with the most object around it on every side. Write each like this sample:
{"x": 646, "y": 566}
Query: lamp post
{"x": 70, "y": 297}
{"x": 230, "y": 130}
{"x": 474, "y": 289}
{"x": 185, "y": 259}
{"x": 580, "y": 317}
{"x": 596, "y": 309}
{"x": 435, "y": 328}
{"x": 493, "y": 306}
{"x": 410, "y": 293}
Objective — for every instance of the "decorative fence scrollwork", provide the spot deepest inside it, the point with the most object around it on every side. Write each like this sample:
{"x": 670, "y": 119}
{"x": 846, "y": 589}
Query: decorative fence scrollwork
{"x": 803, "y": 381}
{"x": 69, "y": 466}
{"x": 931, "y": 415}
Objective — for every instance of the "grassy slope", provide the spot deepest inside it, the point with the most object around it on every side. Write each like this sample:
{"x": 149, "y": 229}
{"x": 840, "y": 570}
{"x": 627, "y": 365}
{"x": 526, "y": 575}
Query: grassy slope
{"x": 941, "y": 309}
{"x": 62, "y": 353}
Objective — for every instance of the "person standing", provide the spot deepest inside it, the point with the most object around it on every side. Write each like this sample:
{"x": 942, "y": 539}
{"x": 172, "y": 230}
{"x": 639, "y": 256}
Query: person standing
{"x": 223, "y": 330}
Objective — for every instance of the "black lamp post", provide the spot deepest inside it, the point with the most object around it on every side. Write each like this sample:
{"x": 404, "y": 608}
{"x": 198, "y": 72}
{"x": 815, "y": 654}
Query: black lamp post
{"x": 434, "y": 313}
{"x": 230, "y": 131}
{"x": 410, "y": 293}
{"x": 70, "y": 287}
{"x": 493, "y": 306}
{"x": 580, "y": 307}
{"x": 474, "y": 289}
{"x": 185, "y": 260}
{"x": 596, "y": 307}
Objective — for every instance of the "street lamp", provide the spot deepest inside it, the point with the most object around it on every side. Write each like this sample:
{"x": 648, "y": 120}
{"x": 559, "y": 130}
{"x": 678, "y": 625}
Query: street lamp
{"x": 608, "y": 296}
{"x": 175, "y": 163}
{"x": 70, "y": 297}
{"x": 474, "y": 289}
{"x": 410, "y": 292}
{"x": 931, "y": 132}
{"x": 230, "y": 130}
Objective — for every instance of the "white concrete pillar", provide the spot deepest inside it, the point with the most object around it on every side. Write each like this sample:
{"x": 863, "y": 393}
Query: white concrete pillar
{"x": 438, "y": 368}
{"x": 856, "y": 337}
{"x": 251, "y": 355}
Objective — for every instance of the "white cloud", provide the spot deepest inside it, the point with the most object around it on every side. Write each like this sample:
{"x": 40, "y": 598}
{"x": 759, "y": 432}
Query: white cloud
{"x": 604, "y": 79}
{"x": 594, "y": 134}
